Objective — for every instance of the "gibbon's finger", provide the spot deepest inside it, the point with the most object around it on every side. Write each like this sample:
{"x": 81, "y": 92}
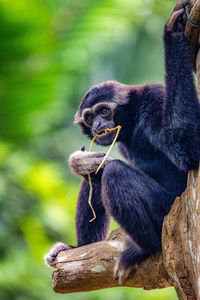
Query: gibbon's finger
{"x": 176, "y": 14}
{"x": 79, "y": 155}
{"x": 88, "y": 165}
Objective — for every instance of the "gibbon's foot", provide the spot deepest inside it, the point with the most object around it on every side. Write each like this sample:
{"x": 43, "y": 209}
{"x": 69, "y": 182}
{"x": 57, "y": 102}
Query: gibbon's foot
{"x": 121, "y": 272}
{"x": 175, "y": 23}
{"x": 124, "y": 267}
{"x": 53, "y": 252}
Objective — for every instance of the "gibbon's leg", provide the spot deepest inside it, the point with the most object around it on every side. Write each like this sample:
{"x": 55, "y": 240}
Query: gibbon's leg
{"x": 90, "y": 232}
{"x": 87, "y": 232}
{"x": 138, "y": 204}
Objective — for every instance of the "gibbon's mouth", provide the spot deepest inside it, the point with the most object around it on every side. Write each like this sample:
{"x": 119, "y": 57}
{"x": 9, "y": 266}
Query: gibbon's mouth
{"x": 101, "y": 133}
{"x": 104, "y": 134}
{"x": 104, "y": 137}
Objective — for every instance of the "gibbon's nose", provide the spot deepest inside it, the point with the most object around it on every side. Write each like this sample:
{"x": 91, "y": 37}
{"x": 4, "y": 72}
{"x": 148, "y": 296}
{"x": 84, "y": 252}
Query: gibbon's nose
{"x": 97, "y": 125}
{"x": 95, "y": 130}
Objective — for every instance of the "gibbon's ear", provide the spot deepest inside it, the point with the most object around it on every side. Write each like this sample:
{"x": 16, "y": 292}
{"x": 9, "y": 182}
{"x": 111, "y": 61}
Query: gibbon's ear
{"x": 77, "y": 118}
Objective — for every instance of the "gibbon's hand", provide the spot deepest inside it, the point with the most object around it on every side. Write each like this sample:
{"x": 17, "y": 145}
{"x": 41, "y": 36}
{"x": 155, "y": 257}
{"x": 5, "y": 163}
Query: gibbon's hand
{"x": 175, "y": 23}
{"x": 83, "y": 162}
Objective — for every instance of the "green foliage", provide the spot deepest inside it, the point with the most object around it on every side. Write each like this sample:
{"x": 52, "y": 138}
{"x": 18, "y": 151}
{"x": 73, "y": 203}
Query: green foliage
{"x": 51, "y": 51}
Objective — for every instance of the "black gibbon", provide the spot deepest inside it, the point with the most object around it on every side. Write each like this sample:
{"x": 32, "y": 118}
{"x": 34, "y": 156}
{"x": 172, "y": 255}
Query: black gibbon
{"x": 159, "y": 138}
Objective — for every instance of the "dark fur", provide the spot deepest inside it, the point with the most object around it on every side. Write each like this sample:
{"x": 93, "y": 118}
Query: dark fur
{"x": 160, "y": 138}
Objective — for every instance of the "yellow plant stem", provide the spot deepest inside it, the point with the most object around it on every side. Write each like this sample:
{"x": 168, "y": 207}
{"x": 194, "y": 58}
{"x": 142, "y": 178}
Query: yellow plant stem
{"x": 116, "y": 136}
{"x": 106, "y": 131}
{"x": 90, "y": 198}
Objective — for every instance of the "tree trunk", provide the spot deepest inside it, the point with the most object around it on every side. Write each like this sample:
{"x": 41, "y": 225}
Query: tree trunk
{"x": 91, "y": 267}
{"x": 192, "y": 33}
{"x": 181, "y": 241}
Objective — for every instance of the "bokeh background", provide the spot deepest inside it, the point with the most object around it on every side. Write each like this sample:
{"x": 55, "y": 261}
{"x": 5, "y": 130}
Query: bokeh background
{"x": 51, "y": 52}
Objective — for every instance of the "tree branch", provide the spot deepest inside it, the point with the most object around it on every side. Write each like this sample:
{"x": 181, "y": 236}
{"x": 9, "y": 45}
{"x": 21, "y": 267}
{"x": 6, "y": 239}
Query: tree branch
{"x": 91, "y": 268}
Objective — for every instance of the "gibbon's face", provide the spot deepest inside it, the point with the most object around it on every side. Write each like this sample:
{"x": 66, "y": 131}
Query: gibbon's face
{"x": 97, "y": 119}
{"x": 98, "y": 109}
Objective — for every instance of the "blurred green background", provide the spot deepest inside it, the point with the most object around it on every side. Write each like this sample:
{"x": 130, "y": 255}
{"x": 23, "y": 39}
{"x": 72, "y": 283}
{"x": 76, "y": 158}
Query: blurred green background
{"x": 51, "y": 52}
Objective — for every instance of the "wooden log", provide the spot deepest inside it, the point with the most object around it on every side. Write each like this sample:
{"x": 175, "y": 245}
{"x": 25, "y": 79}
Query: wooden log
{"x": 91, "y": 267}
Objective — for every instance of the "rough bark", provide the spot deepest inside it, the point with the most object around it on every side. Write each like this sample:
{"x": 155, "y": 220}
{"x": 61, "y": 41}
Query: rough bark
{"x": 192, "y": 33}
{"x": 181, "y": 241}
{"x": 91, "y": 267}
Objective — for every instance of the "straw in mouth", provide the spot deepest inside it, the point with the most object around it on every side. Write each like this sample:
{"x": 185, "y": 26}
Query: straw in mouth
{"x": 99, "y": 134}
{"x": 102, "y": 132}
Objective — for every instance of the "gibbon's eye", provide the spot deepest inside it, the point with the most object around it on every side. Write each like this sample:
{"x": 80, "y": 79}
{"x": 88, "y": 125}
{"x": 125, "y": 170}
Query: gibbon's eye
{"x": 105, "y": 111}
{"x": 88, "y": 118}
